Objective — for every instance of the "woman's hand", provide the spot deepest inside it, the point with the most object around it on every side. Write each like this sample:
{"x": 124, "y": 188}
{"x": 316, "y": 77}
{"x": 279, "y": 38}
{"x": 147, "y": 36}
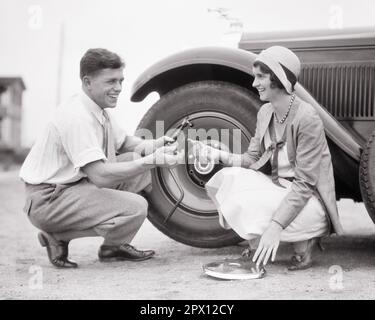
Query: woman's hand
{"x": 268, "y": 244}
{"x": 204, "y": 152}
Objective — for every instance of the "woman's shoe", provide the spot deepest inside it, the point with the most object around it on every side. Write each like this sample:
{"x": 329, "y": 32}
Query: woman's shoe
{"x": 251, "y": 248}
{"x": 302, "y": 260}
{"x": 247, "y": 253}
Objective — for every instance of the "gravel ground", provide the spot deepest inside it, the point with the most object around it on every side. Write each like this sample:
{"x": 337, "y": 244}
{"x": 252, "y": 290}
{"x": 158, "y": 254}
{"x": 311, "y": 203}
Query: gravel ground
{"x": 345, "y": 270}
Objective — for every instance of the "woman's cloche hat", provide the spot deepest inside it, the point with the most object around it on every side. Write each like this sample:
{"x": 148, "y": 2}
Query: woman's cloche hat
{"x": 277, "y": 56}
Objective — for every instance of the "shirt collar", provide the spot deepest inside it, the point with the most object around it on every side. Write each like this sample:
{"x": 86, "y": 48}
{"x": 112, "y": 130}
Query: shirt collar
{"x": 93, "y": 108}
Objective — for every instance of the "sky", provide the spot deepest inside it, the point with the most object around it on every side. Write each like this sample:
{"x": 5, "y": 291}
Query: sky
{"x": 43, "y": 40}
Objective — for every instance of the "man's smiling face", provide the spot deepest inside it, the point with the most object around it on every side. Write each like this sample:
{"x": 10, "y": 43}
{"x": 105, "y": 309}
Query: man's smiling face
{"x": 105, "y": 86}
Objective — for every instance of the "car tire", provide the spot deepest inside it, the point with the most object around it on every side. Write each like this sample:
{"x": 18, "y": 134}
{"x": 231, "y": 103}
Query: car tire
{"x": 367, "y": 175}
{"x": 209, "y": 104}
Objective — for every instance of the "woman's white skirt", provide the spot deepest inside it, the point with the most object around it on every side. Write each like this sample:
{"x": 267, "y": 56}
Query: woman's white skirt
{"x": 247, "y": 200}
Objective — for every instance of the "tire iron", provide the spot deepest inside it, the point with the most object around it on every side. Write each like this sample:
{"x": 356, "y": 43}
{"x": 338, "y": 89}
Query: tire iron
{"x": 185, "y": 122}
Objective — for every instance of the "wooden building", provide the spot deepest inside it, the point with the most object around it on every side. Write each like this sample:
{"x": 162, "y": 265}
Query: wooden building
{"x": 11, "y": 90}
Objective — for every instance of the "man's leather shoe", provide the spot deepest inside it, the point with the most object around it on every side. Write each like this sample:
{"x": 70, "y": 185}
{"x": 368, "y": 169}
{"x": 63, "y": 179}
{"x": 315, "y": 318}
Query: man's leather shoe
{"x": 123, "y": 252}
{"x": 57, "y": 251}
{"x": 303, "y": 260}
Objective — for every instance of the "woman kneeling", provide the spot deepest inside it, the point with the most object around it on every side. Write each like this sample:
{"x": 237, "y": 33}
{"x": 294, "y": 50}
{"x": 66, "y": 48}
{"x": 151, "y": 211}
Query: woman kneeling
{"x": 297, "y": 202}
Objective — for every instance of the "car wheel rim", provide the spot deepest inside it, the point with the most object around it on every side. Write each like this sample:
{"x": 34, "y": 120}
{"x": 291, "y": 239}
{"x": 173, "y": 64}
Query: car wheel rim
{"x": 193, "y": 175}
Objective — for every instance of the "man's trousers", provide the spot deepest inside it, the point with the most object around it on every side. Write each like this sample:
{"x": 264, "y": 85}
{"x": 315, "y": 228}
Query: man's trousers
{"x": 82, "y": 209}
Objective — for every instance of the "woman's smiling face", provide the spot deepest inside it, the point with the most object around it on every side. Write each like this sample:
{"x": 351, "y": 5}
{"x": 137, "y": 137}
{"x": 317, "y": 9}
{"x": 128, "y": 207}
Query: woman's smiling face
{"x": 263, "y": 84}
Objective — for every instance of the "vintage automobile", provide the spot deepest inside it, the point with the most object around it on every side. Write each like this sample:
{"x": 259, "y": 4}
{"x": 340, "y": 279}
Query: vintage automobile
{"x": 213, "y": 87}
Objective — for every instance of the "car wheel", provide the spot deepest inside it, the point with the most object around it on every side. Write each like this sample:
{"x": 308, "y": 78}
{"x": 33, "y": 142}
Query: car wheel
{"x": 367, "y": 175}
{"x": 214, "y": 107}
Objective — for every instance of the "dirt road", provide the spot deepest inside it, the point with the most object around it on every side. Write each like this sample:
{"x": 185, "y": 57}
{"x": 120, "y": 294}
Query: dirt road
{"x": 345, "y": 270}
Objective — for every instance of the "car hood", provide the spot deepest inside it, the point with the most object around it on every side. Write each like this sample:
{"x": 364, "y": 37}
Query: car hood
{"x": 308, "y": 39}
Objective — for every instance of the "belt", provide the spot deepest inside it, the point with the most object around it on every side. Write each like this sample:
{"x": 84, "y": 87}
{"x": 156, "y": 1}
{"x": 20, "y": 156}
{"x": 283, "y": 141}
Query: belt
{"x": 53, "y": 185}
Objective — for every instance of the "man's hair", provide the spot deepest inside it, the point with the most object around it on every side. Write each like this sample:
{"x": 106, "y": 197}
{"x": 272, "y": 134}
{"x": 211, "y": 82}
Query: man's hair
{"x": 274, "y": 79}
{"x": 97, "y": 59}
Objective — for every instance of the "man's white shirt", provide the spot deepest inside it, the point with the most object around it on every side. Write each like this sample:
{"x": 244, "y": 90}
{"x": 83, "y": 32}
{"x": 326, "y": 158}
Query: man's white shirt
{"x": 72, "y": 139}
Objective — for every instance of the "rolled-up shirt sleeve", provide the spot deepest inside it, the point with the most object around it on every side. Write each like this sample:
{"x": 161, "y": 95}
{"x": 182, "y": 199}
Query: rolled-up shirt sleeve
{"x": 80, "y": 142}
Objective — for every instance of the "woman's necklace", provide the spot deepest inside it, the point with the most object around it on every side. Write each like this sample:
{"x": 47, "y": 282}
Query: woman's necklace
{"x": 282, "y": 120}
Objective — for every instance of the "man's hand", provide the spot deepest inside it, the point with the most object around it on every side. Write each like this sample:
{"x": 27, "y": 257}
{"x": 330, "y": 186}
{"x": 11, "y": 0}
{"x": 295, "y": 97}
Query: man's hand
{"x": 268, "y": 244}
{"x": 149, "y": 146}
{"x": 162, "y": 141}
{"x": 167, "y": 156}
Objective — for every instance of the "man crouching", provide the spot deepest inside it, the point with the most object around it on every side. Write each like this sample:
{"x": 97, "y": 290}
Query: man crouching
{"x": 84, "y": 174}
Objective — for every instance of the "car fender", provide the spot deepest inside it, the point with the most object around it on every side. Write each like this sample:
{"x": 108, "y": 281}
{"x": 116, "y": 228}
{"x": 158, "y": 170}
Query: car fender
{"x": 155, "y": 78}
